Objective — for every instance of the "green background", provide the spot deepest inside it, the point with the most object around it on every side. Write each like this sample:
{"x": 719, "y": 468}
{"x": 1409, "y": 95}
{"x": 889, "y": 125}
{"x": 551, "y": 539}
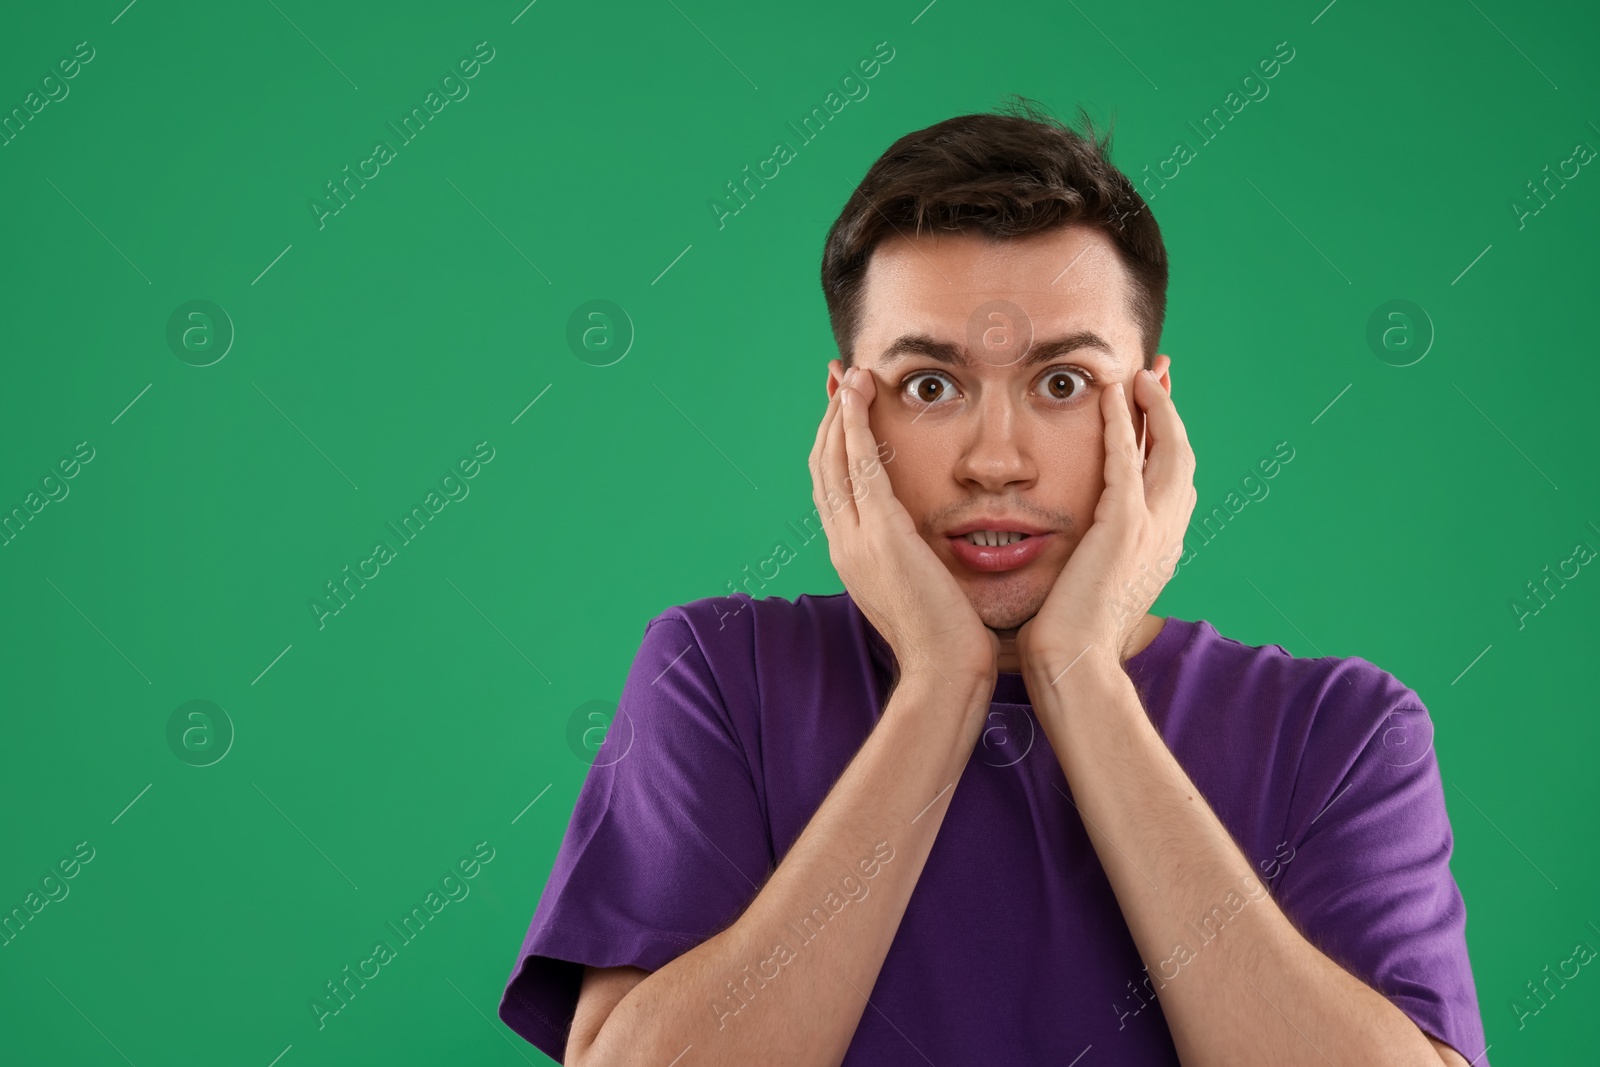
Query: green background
{"x": 372, "y": 353}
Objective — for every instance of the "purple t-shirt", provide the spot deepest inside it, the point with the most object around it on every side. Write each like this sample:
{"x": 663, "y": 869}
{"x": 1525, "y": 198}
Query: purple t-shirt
{"x": 738, "y": 716}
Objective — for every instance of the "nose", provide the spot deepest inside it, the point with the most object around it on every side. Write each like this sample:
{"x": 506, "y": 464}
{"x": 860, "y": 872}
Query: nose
{"x": 996, "y": 452}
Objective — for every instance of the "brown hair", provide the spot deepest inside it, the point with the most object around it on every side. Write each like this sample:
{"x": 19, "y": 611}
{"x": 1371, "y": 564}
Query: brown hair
{"x": 1011, "y": 174}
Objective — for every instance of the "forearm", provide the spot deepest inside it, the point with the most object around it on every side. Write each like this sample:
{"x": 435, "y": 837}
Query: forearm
{"x": 1261, "y": 994}
{"x": 787, "y": 982}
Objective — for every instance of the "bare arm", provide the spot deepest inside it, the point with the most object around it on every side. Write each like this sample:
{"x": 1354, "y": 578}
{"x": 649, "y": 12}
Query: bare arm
{"x": 1260, "y": 993}
{"x": 1263, "y": 994}
{"x": 787, "y": 982}
{"x": 736, "y": 998}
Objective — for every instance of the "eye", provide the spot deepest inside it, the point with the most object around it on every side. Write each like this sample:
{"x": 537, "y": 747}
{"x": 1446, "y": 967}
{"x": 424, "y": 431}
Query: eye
{"x": 1059, "y": 385}
{"x": 927, "y": 394}
{"x": 1064, "y": 385}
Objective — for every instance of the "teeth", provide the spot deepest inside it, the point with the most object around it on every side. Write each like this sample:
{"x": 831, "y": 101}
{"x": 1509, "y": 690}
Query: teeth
{"x": 994, "y": 538}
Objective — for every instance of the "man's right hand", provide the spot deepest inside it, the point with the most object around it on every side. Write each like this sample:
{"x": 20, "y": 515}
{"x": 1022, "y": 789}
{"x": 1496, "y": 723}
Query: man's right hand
{"x": 891, "y": 573}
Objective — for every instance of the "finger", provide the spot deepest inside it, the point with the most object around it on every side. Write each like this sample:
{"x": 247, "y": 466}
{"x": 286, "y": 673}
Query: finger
{"x": 821, "y": 493}
{"x": 867, "y": 477}
{"x": 822, "y": 431}
{"x": 827, "y": 412}
{"x": 866, "y": 383}
{"x": 835, "y": 470}
{"x": 1123, "y": 470}
{"x": 813, "y": 461}
{"x": 1169, "y": 474}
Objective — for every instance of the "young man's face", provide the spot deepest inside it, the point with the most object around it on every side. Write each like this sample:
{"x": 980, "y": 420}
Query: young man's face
{"x": 1004, "y": 436}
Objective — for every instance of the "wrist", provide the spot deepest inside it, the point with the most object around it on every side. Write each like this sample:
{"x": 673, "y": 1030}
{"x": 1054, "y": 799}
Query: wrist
{"x": 1071, "y": 665}
{"x": 949, "y": 681}
{"x": 957, "y": 701}
{"x": 1087, "y": 695}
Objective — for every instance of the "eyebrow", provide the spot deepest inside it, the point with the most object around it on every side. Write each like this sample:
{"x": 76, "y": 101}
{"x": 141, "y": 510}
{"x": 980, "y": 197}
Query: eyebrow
{"x": 956, "y": 355}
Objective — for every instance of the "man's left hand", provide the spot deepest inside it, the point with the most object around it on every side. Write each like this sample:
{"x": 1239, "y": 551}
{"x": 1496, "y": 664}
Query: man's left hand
{"x": 1131, "y": 549}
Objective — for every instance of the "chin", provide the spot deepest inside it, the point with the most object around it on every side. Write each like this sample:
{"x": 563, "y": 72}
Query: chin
{"x": 1004, "y": 609}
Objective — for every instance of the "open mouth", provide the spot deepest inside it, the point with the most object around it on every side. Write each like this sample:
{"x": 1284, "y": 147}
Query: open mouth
{"x": 993, "y": 538}
{"x": 999, "y": 550}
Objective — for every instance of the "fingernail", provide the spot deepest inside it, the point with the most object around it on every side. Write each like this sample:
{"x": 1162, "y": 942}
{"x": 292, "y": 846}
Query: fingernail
{"x": 849, "y": 376}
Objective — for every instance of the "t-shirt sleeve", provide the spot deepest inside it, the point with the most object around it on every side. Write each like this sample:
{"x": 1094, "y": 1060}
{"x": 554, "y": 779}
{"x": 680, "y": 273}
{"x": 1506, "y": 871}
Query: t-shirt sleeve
{"x": 667, "y": 845}
{"x": 1369, "y": 881}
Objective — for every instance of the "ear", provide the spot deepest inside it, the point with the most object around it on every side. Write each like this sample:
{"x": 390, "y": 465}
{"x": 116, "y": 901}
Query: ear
{"x": 1160, "y": 368}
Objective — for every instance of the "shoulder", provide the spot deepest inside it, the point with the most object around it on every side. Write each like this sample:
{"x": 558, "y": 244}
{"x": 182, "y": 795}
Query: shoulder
{"x": 747, "y": 644}
{"x": 1277, "y": 741}
{"x": 1333, "y": 723}
{"x": 1350, "y": 694}
{"x": 1314, "y": 719}
{"x": 738, "y": 620}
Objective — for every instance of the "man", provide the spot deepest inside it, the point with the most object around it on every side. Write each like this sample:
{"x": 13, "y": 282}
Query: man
{"x": 982, "y": 807}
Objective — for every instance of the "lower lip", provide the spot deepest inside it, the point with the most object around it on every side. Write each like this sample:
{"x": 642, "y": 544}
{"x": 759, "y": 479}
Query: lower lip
{"x": 1002, "y": 558}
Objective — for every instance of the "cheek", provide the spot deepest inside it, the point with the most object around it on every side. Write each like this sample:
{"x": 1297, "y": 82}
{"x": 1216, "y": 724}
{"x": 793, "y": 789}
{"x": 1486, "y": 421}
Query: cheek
{"x": 919, "y": 463}
{"x": 909, "y": 470}
{"x": 1072, "y": 466}
{"x": 1075, "y": 445}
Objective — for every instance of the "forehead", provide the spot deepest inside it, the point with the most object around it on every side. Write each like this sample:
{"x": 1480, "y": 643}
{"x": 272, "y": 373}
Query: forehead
{"x": 1066, "y": 281}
